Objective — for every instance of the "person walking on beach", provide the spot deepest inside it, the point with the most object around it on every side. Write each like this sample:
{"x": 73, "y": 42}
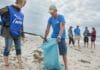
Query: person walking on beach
{"x": 86, "y": 37}
{"x": 70, "y": 35}
{"x": 57, "y": 22}
{"x": 93, "y": 37}
{"x": 77, "y": 35}
{"x": 12, "y": 30}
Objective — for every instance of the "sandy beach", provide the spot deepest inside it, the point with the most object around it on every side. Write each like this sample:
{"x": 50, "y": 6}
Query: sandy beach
{"x": 79, "y": 59}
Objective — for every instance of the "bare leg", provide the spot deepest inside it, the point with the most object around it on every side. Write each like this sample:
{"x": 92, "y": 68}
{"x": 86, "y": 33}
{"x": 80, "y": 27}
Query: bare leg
{"x": 65, "y": 62}
{"x": 74, "y": 42}
{"x": 94, "y": 44}
{"x": 84, "y": 45}
{"x": 87, "y": 44}
{"x": 91, "y": 44}
{"x": 6, "y": 62}
{"x": 20, "y": 62}
{"x": 78, "y": 43}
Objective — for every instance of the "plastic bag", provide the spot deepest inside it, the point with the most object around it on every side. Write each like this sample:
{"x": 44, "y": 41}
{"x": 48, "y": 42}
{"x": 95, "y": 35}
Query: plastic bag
{"x": 51, "y": 55}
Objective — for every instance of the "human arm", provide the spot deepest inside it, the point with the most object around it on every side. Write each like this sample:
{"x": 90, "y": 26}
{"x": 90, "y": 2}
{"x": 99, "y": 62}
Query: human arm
{"x": 22, "y": 34}
{"x": 3, "y": 12}
{"x": 62, "y": 26}
{"x": 47, "y": 32}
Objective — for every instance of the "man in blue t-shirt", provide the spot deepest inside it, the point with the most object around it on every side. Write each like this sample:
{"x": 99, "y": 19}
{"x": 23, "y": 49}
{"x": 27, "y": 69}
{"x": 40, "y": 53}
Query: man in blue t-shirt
{"x": 58, "y": 25}
{"x": 77, "y": 35}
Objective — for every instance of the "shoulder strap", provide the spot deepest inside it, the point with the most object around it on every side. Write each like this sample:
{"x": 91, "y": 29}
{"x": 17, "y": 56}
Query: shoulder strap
{"x": 5, "y": 18}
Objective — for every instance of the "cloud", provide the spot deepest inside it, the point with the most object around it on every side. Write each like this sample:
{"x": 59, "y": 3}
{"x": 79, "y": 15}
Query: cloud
{"x": 83, "y": 12}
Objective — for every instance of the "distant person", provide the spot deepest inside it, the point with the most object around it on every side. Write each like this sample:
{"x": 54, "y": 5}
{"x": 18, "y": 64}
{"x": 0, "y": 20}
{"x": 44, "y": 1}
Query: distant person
{"x": 57, "y": 22}
{"x": 86, "y": 35}
{"x": 77, "y": 35}
{"x": 70, "y": 35}
{"x": 93, "y": 37}
{"x": 12, "y": 30}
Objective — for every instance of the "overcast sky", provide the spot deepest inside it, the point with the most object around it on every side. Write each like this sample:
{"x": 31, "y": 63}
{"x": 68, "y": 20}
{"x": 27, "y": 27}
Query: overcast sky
{"x": 76, "y": 12}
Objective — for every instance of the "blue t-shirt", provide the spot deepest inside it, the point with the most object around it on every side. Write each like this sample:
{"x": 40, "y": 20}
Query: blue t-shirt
{"x": 55, "y": 23}
{"x": 77, "y": 31}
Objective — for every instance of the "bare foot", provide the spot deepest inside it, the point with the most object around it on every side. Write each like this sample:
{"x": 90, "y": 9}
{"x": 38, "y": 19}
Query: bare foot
{"x": 7, "y": 67}
{"x": 21, "y": 66}
{"x": 66, "y": 68}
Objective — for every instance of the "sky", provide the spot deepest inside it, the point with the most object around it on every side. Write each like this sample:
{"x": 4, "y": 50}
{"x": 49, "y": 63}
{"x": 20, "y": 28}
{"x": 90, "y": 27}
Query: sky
{"x": 76, "y": 12}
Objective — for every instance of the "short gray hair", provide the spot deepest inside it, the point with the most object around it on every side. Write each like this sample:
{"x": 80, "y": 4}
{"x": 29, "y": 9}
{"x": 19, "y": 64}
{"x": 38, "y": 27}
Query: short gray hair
{"x": 53, "y": 7}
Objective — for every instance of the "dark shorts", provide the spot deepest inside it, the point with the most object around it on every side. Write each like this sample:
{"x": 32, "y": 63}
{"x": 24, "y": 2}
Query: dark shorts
{"x": 86, "y": 39}
{"x": 93, "y": 39}
{"x": 62, "y": 47}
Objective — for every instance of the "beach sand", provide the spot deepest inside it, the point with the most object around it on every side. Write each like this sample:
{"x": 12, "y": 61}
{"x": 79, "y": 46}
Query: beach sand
{"x": 78, "y": 59}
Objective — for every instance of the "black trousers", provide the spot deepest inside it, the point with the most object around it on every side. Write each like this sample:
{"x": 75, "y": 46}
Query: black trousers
{"x": 71, "y": 40}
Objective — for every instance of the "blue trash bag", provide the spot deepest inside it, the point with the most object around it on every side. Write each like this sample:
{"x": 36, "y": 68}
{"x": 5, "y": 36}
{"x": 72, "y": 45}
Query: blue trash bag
{"x": 51, "y": 55}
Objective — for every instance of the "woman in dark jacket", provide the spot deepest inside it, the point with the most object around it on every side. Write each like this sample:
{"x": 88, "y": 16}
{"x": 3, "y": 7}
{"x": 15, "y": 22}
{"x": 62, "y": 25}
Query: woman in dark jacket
{"x": 86, "y": 37}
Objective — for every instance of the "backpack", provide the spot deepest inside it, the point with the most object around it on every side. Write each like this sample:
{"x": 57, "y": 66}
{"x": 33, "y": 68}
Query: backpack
{"x": 3, "y": 19}
{"x": 16, "y": 21}
{"x": 2, "y": 23}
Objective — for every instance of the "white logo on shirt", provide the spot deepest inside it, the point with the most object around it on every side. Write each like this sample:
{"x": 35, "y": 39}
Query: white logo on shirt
{"x": 57, "y": 22}
{"x": 17, "y": 20}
